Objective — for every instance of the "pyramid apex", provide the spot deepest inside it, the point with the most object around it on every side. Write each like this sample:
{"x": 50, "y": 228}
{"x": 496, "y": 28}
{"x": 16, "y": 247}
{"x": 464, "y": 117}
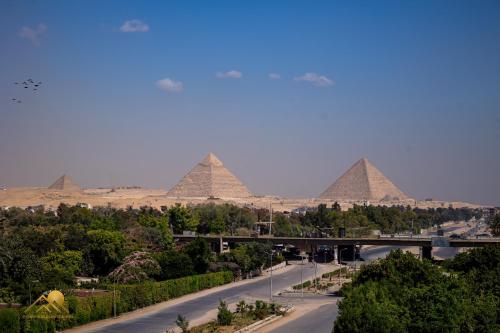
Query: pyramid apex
{"x": 211, "y": 159}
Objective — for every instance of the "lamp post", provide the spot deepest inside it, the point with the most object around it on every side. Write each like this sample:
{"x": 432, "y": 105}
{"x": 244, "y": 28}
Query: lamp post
{"x": 302, "y": 277}
{"x": 114, "y": 296}
{"x": 340, "y": 254}
{"x": 29, "y": 287}
{"x": 271, "y": 278}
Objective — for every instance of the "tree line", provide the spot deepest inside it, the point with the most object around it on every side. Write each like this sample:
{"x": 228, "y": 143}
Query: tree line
{"x": 42, "y": 250}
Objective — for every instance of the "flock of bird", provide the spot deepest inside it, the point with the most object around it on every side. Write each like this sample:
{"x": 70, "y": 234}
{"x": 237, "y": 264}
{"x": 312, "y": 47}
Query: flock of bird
{"x": 29, "y": 83}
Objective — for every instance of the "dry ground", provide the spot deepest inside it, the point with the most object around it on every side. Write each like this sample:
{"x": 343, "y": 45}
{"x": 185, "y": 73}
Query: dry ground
{"x": 123, "y": 198}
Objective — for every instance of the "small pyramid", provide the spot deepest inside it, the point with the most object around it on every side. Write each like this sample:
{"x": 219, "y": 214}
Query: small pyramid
{"x": 210, "y": 178}
{"x": 64, "y": 183}
{"x": 363, "y": 182}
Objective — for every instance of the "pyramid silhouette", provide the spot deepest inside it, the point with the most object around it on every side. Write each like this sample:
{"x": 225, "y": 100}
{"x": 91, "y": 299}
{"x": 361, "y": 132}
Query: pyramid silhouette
{"x": 64, "y": 183}
{"x": 210, "y": 178}
{"x": 363, "y": 182}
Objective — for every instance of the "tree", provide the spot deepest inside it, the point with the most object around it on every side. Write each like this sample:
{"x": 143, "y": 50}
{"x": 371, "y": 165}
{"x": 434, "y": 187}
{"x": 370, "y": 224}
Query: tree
{"x": 369, "y": 308}
{"x": 136, "y": 267}
{"x": 200, "y": 254}
{"x": 61, "y": 267}
{"x": 157, "y": 225}
{"x": 495, "y": 225}
{"x": 174, "y": 264}
{"x": 181, "y": 219}
{"x": 106, "y": 249}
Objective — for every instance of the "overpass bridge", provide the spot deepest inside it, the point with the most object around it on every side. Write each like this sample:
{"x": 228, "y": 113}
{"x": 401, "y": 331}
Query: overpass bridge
{"x": 311, "y": 244}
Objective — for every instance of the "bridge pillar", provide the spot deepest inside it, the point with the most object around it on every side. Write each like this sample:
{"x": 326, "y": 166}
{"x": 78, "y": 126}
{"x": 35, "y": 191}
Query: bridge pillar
{"x": 426, "y": 252}
{"x": 346, "y": 253}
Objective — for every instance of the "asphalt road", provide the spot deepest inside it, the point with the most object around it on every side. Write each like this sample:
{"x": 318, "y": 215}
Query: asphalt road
{"x": 159, "y": 321}
{"x": 322, "y": 319}
{"x": 318, "y": 321}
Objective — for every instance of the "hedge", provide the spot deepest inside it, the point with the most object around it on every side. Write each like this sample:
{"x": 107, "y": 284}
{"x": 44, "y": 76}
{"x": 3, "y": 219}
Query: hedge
{"x": 128, "y": 297}
{"x": 135, "y": 296}
{"x": 9, "y": 321}
{"x": 88, "y": 309}
{"x": 140, "y": 295}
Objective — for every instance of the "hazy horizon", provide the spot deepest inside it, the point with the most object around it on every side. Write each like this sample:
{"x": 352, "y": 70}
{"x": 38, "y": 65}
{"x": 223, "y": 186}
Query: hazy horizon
{"x": 288, "y": 95}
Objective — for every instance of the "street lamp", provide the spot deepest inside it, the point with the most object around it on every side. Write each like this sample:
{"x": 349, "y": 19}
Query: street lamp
{"x": 340, "y": 255}
{"x": 29, "y": 287}
{"x": 114, "y": 296}
{"x": 271, "y": 276}
{"x": 301, "y": 276}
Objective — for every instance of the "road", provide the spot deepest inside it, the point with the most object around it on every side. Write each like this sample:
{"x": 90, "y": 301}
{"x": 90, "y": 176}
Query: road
{"x": 322, "y": 319}
{"x": 159, "y": 321}
{"x": 318, "y": 321}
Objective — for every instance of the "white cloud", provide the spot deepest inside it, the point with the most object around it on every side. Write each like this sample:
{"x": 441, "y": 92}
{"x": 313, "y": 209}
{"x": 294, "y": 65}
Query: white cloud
{"x": 229, "y": 75}
{"x": 33, "y": 34}
{"x": 134, "y": 26}
{"x": 315, "y": 79}
{"x": 274, "y": 76}
{"x": 170, "y": 85}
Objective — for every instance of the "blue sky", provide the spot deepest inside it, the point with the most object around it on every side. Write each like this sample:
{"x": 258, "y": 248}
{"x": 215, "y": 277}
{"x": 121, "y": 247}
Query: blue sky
{"x": 411, "y": 85}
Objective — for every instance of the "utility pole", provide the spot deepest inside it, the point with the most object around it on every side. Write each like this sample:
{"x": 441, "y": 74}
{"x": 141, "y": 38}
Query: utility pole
{"x": 29, "y": 287}
{"x": 270, "y": 217}
{"x": 301, "y": 277}
{"x": 315, "y": 270}
{"x": 114, "y": 297}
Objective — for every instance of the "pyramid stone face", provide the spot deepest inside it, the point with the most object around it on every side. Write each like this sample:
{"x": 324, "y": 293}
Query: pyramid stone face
{"x": 210, "y": 178}
{"x": 363, "y": 182}
{"x": 64, "y": 183}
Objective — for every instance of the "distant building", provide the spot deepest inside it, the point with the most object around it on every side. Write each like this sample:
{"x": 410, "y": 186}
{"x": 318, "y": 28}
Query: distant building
{"x": 84, "y": 205}
{"x": 490, "y": 213}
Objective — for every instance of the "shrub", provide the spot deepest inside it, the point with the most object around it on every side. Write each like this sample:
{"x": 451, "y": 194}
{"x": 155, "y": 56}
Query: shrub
{"x": 87, "y": 309}
{"x": 140, "y": 295}
{"x": 261, "y": 309}
{"x": 224, "y": 316}
{"x": 134, "y": 296}
{"x": 39, "y": 325}
{"x": 9, "y": 321}
{"x": 182, "y": 323}
{"x": 303, "y": 285}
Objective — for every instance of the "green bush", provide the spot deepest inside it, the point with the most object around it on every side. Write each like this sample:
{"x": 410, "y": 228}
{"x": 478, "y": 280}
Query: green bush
{"x": 39, "y": 325}
{"x": 140, "y": 295}
{"x": 335, "y": 273}
{"x": 135, "y": 296}
{"x": 303, "y": 285}
{"x": 224, "y": 316}
{"x": 9, "y": 321}
{"x": 87, "y": 309}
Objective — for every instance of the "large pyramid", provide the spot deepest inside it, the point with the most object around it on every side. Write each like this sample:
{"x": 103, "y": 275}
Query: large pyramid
{"x": 64, "y": 183}
{"x": 210, "y": 178}
{"x": 363, "y": 182}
